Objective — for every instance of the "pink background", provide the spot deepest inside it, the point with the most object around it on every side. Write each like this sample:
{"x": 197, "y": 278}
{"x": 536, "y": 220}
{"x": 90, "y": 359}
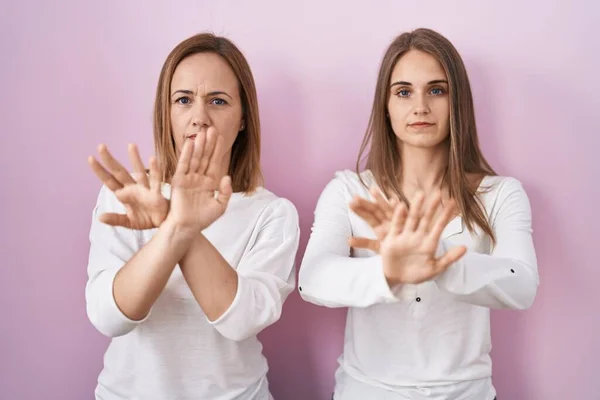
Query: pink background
{"x": 76, "y": 73}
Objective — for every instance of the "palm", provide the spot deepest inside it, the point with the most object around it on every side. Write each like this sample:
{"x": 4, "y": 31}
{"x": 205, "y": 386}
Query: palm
{"x": 194, "y": 194}
{"x": 198, "y": 196}
{"x": 414, "y": 251}
{"x": 141, "y": 196}
{"x": 409, "y": 239}
{"x": 145, "y": 209}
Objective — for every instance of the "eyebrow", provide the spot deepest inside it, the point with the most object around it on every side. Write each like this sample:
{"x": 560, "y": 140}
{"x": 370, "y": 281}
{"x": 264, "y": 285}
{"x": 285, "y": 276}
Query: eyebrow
{"x": 190, "y": 92}
{"x": 404, "y": 83}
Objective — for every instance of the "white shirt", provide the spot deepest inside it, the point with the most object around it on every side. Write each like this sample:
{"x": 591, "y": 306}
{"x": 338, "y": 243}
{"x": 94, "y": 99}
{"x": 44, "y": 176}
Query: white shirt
{"x": 425, "y": 341}
{"x": 176, "y": 352}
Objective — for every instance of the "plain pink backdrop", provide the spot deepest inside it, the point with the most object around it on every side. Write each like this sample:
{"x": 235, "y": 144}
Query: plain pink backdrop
{"x": 77, "y": 73}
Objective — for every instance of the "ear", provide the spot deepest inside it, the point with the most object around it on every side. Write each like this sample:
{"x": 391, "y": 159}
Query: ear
{"x": 242, "y": 125}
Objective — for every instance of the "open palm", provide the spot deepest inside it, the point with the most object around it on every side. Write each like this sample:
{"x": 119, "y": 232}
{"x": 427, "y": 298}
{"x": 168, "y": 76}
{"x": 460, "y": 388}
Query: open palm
{"x": 140, "y": 194}
{"x": 378, "y": 214}
{"x": 408, "y": 250}
{"x": 199, "y": 196}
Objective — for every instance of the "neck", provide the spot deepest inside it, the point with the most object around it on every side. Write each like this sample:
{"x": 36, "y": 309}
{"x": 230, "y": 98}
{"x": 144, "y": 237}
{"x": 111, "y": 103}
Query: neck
{"x": 422, "y": 169}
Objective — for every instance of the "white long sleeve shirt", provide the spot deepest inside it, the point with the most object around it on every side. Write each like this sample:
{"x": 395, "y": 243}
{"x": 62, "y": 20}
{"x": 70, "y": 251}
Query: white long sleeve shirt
{"x": 176, "y": 352}
{"x": 430, "y": 340}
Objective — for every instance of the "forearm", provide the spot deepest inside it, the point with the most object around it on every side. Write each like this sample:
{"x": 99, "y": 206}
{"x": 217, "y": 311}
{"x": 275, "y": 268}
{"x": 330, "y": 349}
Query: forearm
{"x": 211, "y": 279}
{"x": 142, "y": 279}
{"x": 489, "y": 281}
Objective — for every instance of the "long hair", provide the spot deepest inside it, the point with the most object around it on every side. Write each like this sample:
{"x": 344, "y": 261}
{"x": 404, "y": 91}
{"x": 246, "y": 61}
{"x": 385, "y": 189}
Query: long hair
{"x": 244, "y": 167}
{"x": 380, "y": 143}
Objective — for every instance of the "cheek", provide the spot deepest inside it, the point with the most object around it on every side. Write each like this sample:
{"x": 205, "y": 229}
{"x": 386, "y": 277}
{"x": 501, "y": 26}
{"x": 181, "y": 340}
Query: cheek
{"x": 177, "y": 128}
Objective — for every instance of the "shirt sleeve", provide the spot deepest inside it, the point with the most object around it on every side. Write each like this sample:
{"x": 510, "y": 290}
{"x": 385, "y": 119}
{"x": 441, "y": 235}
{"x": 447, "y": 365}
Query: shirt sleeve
{"x": 266, "y": 275}
{"x": 110, "y": 249}
{"x": 329, "y": 276}
{"x": 508, "y": 277}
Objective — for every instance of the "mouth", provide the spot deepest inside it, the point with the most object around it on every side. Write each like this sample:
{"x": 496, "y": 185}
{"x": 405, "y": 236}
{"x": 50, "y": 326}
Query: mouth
{"x": 192, "y": 136}
{"x": 420, "y": 125}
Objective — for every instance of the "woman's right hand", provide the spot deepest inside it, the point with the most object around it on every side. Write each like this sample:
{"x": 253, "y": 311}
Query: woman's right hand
{"x": 144, "y": 203}
{"x": 408, "y": 251}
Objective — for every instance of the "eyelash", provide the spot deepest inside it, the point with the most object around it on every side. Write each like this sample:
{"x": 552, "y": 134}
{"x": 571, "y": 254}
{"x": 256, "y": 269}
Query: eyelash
{"x": 399, "y": 92}
{"x": 224, "y": 102}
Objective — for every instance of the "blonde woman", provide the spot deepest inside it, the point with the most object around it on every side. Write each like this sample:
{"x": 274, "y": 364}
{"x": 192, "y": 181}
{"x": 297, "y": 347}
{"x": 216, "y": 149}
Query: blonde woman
{"x": 189, "y": 262}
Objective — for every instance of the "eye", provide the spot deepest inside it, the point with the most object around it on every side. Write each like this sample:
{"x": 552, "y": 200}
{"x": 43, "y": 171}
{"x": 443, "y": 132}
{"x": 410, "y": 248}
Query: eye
{"x": 437, "y": 91}
{"x": 183, "y": 100}
{"x": 219, "y": 102}
{"x": 403, "y": 93}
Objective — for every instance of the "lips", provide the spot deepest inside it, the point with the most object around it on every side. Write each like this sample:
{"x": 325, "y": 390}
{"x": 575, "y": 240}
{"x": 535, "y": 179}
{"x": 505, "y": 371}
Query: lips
{"x": 420, "y": 124}
{"x": 192, "y": 136}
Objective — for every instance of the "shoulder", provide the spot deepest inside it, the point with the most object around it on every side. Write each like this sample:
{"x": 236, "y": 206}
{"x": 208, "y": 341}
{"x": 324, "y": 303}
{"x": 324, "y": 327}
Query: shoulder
{"x": 271, "y": 208}
{"x": 349, "y": 183}
{"x": 503, "y": 192}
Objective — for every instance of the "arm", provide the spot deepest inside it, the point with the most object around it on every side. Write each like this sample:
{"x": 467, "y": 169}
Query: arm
{"x": 123, "y": 282}
{"x": 508, "y": 277}
{"x": 240, "y": 303}
{"x": 329, "y": 276}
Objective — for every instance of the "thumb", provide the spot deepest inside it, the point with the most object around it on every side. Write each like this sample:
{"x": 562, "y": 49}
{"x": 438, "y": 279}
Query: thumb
{"x": 364, "y": 243}
{"x": 450, "y": 257}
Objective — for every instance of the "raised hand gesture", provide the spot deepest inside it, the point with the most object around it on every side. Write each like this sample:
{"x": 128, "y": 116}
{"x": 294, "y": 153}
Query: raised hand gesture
{"x": 145, "y": 206}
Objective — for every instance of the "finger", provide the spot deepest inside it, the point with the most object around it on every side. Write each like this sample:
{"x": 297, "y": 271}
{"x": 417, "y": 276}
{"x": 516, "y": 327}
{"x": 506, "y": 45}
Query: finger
{"x": 364, "y": 210}
{"x": 430, "y": 211}
{"x": 199, "y": 145}
{"x": 398, "y": 219}
{"x": 106, "y": 177}
{"x": 225, "y": 190}
{"x": 364, "y": 243}
{"x": 155, "y": 177}
{"x": 414, "y": 213}
{"x": 138, "y": 165}
{"x": 183, "y": 164}
{"x": 115, "y": 219}
{"x": 216, "y": 159}
{"x": 115, "y": 167}
{"x": 370, "y": 207}
{"x": 211, "y": 140}
{"x": 393, "y": 203}
{"x": 442, "y": 220}
{"x": 400, "y": 223}
{"x": 452, "y": 256}
{"x": 382, "y": 205}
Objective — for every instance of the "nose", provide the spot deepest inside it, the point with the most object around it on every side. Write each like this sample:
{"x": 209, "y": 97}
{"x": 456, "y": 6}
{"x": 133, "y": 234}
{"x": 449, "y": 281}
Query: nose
{"x": 421, "y": 105}
{"x": 200, "y": 117}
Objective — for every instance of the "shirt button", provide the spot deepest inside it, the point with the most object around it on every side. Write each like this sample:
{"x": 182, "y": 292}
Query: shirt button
{"x": 418, "y": 299}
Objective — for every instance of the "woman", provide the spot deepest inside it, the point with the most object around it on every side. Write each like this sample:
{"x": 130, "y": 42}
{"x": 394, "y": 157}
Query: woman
{"x": 419, "y": 281}
{"x": 183, "y": 286}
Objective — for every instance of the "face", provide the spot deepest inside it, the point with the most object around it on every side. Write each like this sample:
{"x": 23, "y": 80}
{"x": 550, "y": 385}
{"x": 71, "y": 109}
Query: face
{"x": 204, "y": 93}
{"x": 418, "y": 106}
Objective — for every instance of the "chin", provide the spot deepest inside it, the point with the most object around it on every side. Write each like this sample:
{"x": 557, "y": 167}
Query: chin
{"x": 423, "y": 141}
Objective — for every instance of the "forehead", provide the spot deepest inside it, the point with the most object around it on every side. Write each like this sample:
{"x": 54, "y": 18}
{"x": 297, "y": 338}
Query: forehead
{"x": 417, "y": 67}
{"x": 206, "y": 69}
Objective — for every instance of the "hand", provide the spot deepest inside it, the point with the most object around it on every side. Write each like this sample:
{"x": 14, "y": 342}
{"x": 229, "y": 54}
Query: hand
{"x": 194, "y": 203}
{"x": 408, "y": 250}
{"x": 144, "y": 203}
{"x": 378, "y": 215}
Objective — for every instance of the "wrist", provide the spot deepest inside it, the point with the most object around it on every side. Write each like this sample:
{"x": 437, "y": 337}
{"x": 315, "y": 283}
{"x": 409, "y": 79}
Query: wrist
{"x": 177, "y": 231}
{"x": 389, "y": 273}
